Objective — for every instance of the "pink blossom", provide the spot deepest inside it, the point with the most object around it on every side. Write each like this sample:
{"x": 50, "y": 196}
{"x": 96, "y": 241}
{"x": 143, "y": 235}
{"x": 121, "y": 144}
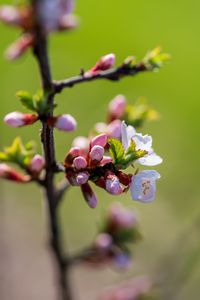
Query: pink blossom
{"x": 106, "y": 160}
{"x": 121, "y": 216}
{"x": 82, "y": 178}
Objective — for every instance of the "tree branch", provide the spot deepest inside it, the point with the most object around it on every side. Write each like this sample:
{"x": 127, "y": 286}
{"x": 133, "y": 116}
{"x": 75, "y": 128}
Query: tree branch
{"x": 47, "y": 138}
{"x": 113, "y": 74}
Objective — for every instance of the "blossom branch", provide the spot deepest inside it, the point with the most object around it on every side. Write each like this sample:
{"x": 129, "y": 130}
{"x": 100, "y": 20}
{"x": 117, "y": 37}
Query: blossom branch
{"x": 114, "y": 74}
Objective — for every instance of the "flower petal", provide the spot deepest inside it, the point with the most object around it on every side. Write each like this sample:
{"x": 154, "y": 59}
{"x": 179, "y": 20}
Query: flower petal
{"x": 143, "y": 185}
{"x": 151, "y": 159}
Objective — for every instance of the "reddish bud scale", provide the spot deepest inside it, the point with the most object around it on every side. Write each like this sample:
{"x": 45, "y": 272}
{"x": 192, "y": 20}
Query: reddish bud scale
{"x": 30, "y": 119}
{"x": 125, "y": 179}
{"x": 9, "y": 173}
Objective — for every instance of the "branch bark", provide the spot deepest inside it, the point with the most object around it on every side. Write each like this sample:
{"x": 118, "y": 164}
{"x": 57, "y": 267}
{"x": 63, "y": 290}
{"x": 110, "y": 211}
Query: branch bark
{"x": 114, "y": 74}
{"x": 47, "y": 138}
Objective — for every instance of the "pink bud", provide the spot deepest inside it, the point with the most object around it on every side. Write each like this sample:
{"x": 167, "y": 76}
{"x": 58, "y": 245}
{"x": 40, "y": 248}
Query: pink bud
{"x": 73, "y": 153}
{"x": 113, "y": 185}
{"x": 121, "y": 217}
{"x": 82, "y": 178}
{"x": 100, "y": 140}
{"x": 10, "y": 14}
{"x": 68, "y": 22}
{"x": 105, "y": 63}
{"x": 20, "y": 46}
{"x": 81, "y": 142}
{"x": 100, "y": 127}
{"x": 65, "y": 123}
{"x": 37, "y": 163}
{"x": 103, "y": 241}
{"x": 114, "y": 129}
{"x": 106, "y": 160}
{"x": 80, "y": 162}
{"x": 9, "y": 173}
{"x": 18, "y": 119}
{"x": 117, "y": 107}
{"x": 89, "y": 195}
{"x": 96, "y": 153}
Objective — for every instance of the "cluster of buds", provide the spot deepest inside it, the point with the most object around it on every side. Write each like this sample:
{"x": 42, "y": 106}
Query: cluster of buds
{"x": 86, "y": 161}
{"x": 62, "y": 122}
{"x": 111, "y": 244}
{"x": 51, "y": 15}
{"x": 139, "y": 288}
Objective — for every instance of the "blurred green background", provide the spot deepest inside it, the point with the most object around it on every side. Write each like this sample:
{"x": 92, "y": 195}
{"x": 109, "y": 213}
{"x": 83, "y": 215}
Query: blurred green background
{"x": 170, "y": 251}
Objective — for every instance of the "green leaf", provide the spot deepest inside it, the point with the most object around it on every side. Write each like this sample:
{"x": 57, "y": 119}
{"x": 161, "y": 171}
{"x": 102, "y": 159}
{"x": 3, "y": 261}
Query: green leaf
{"x": 155, "y": 59}
{"x": 18, "y": 153}
{"x": 116, "y": 150}
{"x": 26, "y": 99}
{"x": 131, "y": 155}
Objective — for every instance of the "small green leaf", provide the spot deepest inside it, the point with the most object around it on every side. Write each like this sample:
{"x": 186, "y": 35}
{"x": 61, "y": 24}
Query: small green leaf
{"x": 155, "y": 59}
{"x": 131, "y": 155}
{"x": 18, "y": 153}
{"x": 26, "y": 99}
{"x": 116, "y": 150}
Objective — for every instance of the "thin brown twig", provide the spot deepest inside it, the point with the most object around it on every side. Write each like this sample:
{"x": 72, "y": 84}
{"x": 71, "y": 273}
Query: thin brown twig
{"x": 113, "y": 74}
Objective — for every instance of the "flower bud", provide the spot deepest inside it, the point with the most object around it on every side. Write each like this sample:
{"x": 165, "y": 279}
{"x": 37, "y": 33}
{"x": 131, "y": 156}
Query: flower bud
{"x": 73, "y": 153}
{"x": 37, "y": 163}
{"x": 106, "y": 160}
{"x": 68, "y": 22}
{"x": 122, "y": 260}
{"x": 105, "y": 63}
{"x": 114, "y": 129}
{"x": 113, "y": 185}
{"x": 100, "y": 140}
{"x": 65, "y": 123}
{"x": 20, "y": 46}
{"x": 117, "y": 108}
{"x": 103, "y": 241}
{"x": 96, "y": 153}
{"x": 80, "y": 163}
{"x": 18, "y": 119}
{"x": 121, "y": 217}
{"x": 9, "y": 173}
{"x": 89, "y": 195}
{"x": 10, "y": 15}
{"x": 82, "y": 178}
{"x": 81, "y": 142}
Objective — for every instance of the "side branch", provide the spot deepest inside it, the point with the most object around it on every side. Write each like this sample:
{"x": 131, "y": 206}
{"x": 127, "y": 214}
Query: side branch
{"x": 113, "y": 74}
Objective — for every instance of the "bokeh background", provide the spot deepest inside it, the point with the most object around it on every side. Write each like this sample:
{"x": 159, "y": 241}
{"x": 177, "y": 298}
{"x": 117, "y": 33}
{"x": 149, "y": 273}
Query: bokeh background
{"x": 170, "y": 251}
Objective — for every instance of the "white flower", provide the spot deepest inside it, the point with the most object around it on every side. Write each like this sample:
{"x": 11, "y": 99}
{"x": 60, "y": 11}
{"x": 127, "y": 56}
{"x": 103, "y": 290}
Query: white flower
{"x": 142, "y": 142}
{"x": 143, "y": 185}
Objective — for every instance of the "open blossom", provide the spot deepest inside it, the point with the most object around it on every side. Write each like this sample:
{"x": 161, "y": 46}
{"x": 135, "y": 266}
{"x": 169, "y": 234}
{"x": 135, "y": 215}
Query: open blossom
{"x": 143, "y": 185}
{"x": 142, "y": 142}
{"x": 18, "y": 119}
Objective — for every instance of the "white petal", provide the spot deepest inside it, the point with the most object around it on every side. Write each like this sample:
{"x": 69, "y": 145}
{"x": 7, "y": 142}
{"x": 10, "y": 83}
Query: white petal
{"x": 143, "y": 142}
{"x": 127, "y": 132}
{"x": 143, "y": 185}
{"x": 125, "y": 141}
{"x": 151, "y": 159}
